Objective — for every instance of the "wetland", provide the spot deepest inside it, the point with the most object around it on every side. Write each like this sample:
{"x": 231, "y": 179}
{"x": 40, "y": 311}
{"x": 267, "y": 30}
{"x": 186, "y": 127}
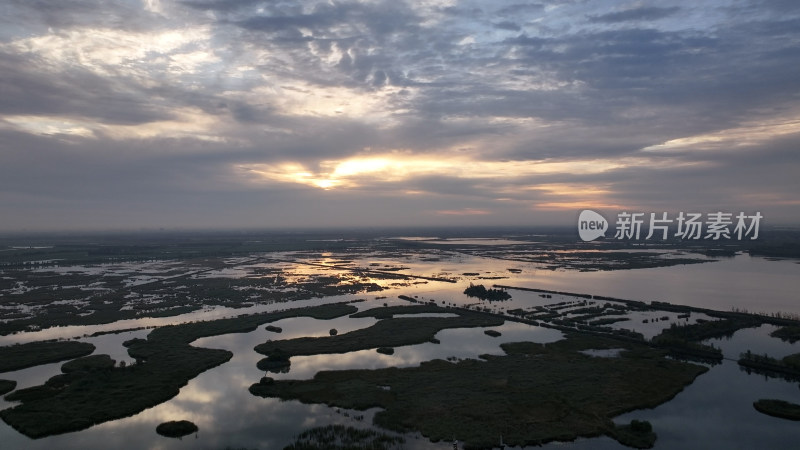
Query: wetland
{"x": 526, "y": 338}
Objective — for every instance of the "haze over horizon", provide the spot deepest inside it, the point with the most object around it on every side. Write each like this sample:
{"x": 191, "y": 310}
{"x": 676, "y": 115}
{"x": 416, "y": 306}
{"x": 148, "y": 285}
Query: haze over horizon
{"x": 203, "y": 114}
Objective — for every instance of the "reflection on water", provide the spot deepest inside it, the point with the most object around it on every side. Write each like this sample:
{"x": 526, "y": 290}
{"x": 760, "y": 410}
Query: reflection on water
{"x": 745, "y": 282}
{"x": 460, "y": 343}
{"x": 477, "y": 241}
{"x": 757, "y": 340}
{"x": 716, "y": 411}
{"x": 68, "y": 332}
{"x": 750, "y": 283}
{"x": 110, "y": 344}
{"x": 228, "y": 415}
{"x": 219, "y": 403}
{"x": 652, "y": 323}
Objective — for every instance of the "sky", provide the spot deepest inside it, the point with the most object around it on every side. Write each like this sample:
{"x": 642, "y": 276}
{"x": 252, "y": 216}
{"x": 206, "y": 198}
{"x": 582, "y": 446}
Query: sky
{"x": 199, "y": 114}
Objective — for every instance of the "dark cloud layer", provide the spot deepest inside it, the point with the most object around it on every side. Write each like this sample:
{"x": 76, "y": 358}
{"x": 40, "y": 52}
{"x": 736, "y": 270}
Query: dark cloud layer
{"x": 642, "y": 13}
{"x": 247, "y": 113}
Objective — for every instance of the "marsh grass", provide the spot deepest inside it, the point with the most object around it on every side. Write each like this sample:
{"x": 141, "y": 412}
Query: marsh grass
{"x": 787, "y": 367}
{"x": 789, "y": 333}
{"x": 339, "y": 437}
{"x": 165, "y": 362}
{"x": 778, "y": 408}
{"x": 534, "y": 394}
{"x": 89, "y": 364}
{"x": 7, "y": 386}
{"x": 21, "y": 356}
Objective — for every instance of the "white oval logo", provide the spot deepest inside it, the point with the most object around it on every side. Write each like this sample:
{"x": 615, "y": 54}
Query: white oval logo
{"x": 591, "y": 225}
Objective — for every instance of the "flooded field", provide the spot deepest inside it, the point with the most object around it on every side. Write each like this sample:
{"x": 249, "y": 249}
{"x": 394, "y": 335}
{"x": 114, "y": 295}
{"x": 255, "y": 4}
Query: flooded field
{"x": 551, "y": 296}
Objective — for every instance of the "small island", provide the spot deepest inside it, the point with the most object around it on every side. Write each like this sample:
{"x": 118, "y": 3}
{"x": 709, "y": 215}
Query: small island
{"x": 778, "y": 408}
{"x": 637, "y": 434}
{"x": 276, "y": 361}
{"x": 482, "y": 293}
{"x": 789, "y": 333}
{"x": 176, "y": 428}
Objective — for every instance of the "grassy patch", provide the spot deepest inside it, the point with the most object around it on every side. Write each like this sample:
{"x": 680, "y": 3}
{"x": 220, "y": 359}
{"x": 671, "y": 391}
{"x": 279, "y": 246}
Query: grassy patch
{"x": 778, "y": 408}
{"x": 571, "y": 394}
{"x": 787, "y": 333}
{"x": 608, "y": 321}
{"x": 711, "y": 329}
{"x": 165, "y": 362}
{"x": 387, "y": 312}
{"x": 339, "y": 437}
{"x": 89, "y": 364}
{"x": 21, "y": 356}
{"x": 7, "y": 386}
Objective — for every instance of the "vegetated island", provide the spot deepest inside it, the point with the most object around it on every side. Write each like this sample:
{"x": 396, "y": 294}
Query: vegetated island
{"x": 572, "y": 394}
{"x": 482, "y": 293}
{"x": 787, "y": 367}
{"x": 176, "y": 428}
{"x": 21, "y": 356}
{"x": 684, "y": 341}
{"x": 789, "y": 333}
{"x": 778, "y": 408}
{"x": 165, "y": 362}
{"x": 387, "y": 332}
{"x": 277, "y": 362}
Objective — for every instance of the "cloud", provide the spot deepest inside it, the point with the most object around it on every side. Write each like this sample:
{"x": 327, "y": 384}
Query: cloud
{"x": 371, "y": 111}
{"x": 463, "y": 212}
{"x": 636, "y": 14}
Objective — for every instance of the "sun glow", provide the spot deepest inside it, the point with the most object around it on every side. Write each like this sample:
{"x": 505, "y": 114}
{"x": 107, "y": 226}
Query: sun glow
{"x": 359, "y": 172}
{"x": 523, "y": 181}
